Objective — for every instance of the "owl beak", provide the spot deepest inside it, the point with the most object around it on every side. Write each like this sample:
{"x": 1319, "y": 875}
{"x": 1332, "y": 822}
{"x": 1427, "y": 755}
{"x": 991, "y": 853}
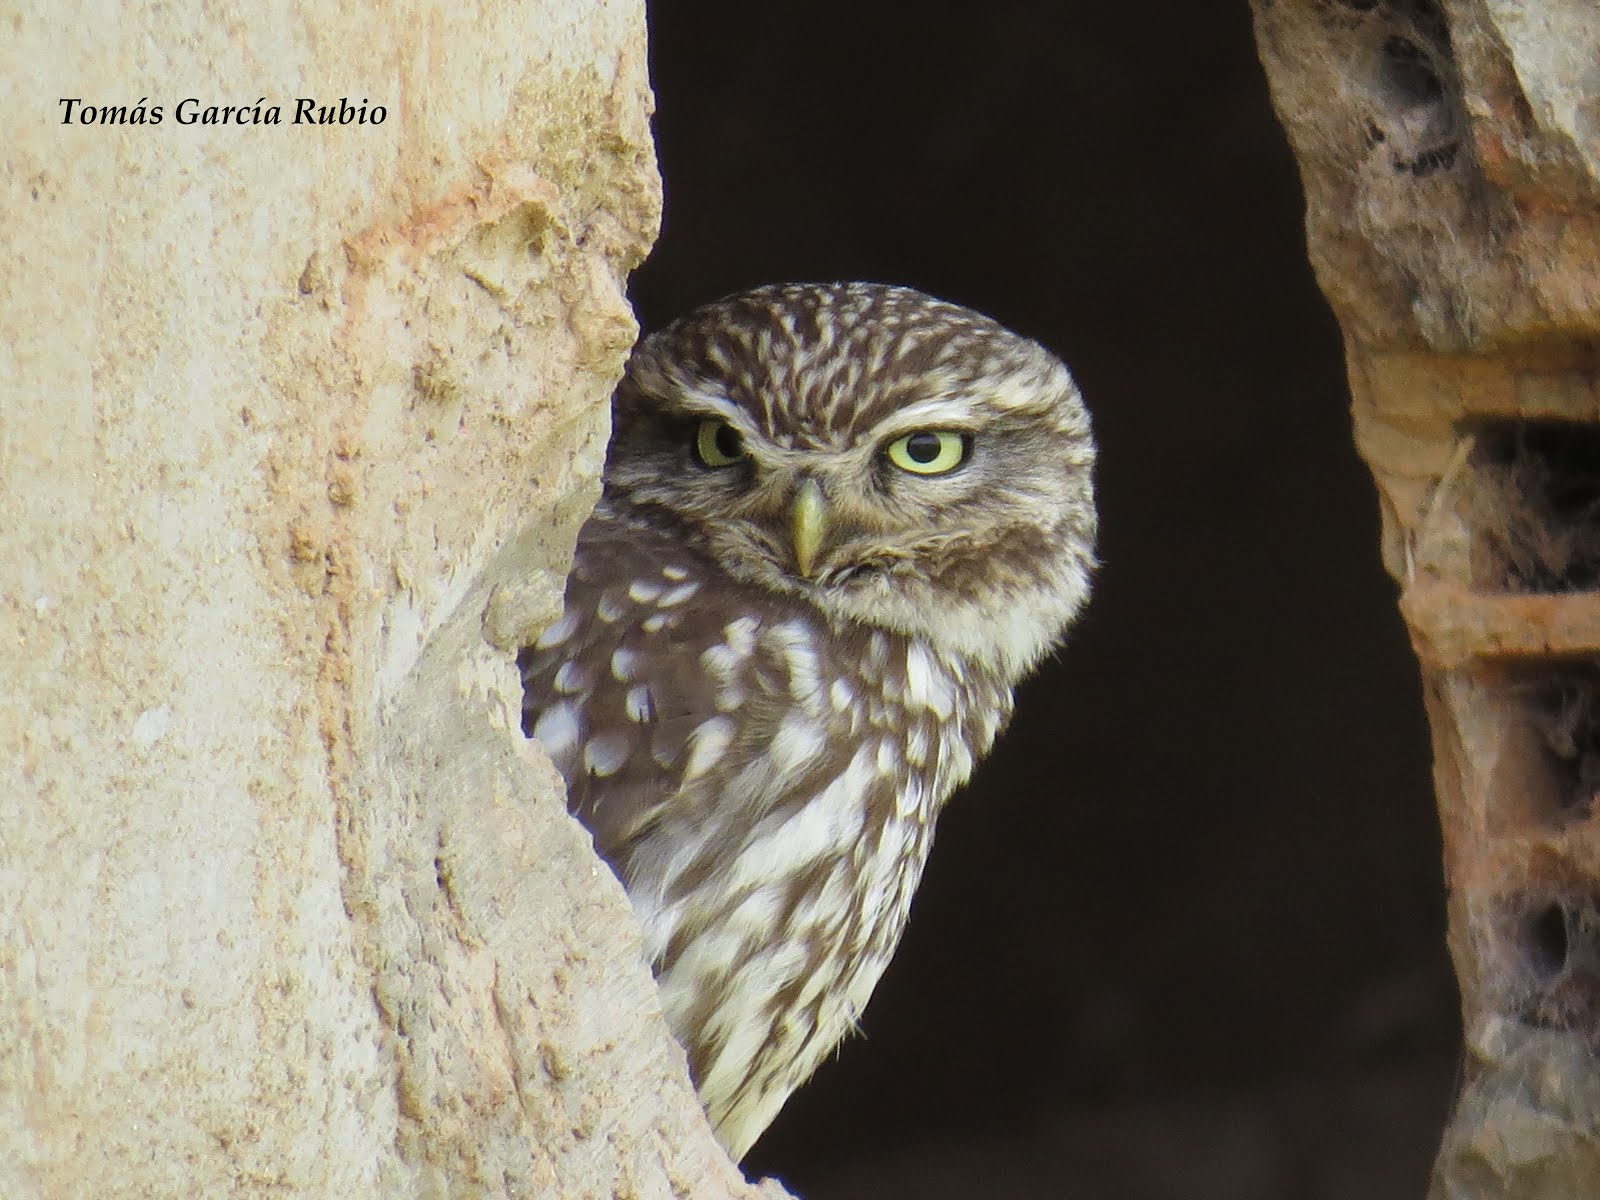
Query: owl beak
{"x": 808, "y": 523}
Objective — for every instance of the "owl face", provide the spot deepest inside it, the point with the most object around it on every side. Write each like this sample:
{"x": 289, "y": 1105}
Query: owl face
{"x": 891, "y": 459}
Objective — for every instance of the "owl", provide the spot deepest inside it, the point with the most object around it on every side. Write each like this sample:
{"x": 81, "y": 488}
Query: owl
{"x": 840, "y": 522}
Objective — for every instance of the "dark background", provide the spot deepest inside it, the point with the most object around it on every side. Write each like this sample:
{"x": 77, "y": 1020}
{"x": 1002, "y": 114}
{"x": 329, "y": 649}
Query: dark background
{"x": 1183, "y": 937}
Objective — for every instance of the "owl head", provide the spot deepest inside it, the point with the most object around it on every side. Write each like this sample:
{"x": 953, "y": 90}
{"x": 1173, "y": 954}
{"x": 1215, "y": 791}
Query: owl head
{"x": 893, "y": 460}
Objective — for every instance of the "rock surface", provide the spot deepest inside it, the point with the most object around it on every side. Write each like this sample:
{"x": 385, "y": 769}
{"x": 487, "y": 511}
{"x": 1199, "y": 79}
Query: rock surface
{"x": 1450, "y": 154}
{"x": 299, "y": 425}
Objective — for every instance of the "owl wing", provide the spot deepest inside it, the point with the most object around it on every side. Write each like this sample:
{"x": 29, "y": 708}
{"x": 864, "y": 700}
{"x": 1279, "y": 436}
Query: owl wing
{"x": 655, "y": 685}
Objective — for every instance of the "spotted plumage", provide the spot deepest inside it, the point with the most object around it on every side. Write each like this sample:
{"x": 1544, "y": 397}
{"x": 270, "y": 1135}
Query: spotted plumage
{"x": 840, "y": 522}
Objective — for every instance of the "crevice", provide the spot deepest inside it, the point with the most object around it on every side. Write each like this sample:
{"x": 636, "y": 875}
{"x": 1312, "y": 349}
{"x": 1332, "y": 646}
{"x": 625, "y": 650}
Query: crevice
{"x": 1533, "y": 503}
{"x": 1550, "y": 960}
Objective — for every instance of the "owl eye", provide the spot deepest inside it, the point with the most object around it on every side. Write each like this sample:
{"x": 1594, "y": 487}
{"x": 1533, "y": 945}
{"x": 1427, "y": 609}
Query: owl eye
{"x": 929, "y": 451}
{"x": 718, "y": 444}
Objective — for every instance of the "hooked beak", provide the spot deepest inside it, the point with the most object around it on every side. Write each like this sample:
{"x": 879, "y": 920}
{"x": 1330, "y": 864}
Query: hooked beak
{"x": 808, "y": 523}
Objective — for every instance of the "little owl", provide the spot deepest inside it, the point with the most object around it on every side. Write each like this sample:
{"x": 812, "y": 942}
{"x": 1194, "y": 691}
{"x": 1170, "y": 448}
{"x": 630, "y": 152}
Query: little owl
{"x": 840, "y": 523}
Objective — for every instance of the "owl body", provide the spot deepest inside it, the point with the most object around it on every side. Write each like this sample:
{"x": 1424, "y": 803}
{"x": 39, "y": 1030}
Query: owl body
{"x": 839, "y": 523}
{"x": 808, "y": 763}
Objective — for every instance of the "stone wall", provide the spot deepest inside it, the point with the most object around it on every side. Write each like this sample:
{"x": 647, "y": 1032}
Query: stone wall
{"x": 1450, "y": 154}
{"x": 298, "y": 425}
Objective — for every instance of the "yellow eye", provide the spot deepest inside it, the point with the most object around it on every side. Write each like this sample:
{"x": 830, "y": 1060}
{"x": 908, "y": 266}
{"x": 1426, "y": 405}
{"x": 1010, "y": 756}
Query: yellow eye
{"x": 929, "y": 451}
{"x": 718, "y": 444}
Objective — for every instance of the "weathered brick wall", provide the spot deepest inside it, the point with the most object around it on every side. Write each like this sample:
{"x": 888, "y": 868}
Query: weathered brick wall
{"x": 1451, "y": 159}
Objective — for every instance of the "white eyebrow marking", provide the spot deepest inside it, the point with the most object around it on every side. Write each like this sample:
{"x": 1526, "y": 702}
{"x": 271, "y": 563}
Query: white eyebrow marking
{"x": 706, "y": 403}
{"x": 943, "y": 412}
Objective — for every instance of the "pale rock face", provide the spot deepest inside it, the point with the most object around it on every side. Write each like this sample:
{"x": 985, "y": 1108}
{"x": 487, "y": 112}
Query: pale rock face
{"x": 294, "y": 418}
{"x": 1451, "y": 160}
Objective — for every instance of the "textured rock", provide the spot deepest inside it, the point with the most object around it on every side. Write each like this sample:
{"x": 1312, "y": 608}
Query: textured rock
{"x": 1451, "y": 159}
{"x": 298, "y": 428}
